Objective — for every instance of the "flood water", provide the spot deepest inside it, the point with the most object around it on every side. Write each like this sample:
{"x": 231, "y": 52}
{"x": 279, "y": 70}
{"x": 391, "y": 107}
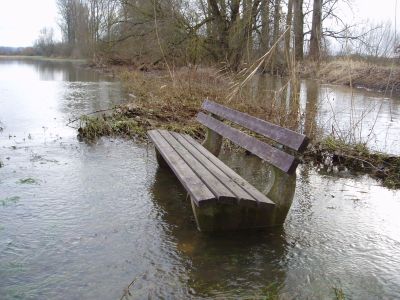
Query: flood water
{"x": 81, "y": 221}
{"x": 352, "y": 115}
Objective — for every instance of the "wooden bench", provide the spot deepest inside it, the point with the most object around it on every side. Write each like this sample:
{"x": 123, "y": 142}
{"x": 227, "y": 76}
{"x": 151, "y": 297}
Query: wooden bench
{"x": 222, "y": 199}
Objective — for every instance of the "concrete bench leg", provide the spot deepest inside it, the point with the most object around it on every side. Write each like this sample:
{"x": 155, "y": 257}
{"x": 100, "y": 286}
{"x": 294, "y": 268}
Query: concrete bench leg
{"x": 213, "y": 142}
{"x": 281, "y": 193}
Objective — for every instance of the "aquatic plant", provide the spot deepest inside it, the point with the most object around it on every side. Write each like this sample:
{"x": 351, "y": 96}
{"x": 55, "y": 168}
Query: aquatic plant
{"x": 339, "y": 294}
{"x": 27, "y": 181}
{"x": 9, "y": 200}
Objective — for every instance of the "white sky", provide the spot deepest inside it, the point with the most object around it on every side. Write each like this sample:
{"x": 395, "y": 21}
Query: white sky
{"x": 21, "y": 20}
{"x": 377, "y": 10}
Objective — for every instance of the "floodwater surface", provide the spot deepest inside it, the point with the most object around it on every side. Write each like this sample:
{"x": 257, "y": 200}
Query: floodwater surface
{"x": 349, "y": 114}
{"x": 80, "y": 221}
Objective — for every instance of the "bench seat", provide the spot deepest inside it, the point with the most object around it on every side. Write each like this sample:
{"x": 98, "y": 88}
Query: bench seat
{"x": 206, "y": 178}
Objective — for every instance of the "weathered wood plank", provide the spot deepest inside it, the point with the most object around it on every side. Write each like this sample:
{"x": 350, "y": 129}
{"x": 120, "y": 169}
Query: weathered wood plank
{"x": 238, "y": 190}
{"x": 222, "y": 193}
{"x": 274, "y": 156}
{"x": 277, "y": 133}
{"x": 260, "y": 197}
{"x": 192, "y": 183}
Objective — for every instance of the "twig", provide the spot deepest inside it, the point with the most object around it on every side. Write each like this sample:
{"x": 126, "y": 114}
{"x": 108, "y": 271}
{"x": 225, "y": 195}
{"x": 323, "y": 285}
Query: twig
{"x": 126, "y": 290}
{"x": 362, "y": 160}
{"x": 91, "y": 113}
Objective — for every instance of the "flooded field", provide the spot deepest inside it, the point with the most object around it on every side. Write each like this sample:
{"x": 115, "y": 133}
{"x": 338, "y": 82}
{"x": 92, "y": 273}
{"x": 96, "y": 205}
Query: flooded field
{"x": 80, "y": 221}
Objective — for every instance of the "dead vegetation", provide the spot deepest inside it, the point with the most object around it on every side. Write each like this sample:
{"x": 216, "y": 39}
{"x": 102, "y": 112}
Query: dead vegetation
{"x": 335, "y": 155}
{"x": 360, "y": 73}
{"x": 157, "y": 101}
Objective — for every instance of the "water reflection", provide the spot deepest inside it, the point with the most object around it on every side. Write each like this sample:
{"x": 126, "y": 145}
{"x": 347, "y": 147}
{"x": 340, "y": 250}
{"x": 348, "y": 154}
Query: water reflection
{"x": 334, "y": 231}
{"x": 353, "y": 115}
{"x": 310, "y": 126}
{"x": 34, "y": 105}
{"x": 219, "y": 264}
{"x": 50, "y": 70}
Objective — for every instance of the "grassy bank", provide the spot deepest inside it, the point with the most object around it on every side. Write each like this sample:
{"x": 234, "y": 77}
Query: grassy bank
{"x": 379, "y": 76}
{"x": 172, "y": 101}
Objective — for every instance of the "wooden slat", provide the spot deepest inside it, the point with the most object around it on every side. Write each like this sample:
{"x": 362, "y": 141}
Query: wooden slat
{"x": 238, "y": 190}
{"x": 221, "y": 192}
{"x": 277, "y": 133}
{"x": 260, "y": 197}
{"x": 274, "y": 156}
{"x": 192, "y": 183}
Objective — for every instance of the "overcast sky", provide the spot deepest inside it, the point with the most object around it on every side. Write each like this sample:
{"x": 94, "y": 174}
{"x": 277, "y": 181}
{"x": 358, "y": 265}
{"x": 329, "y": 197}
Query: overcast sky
{"x": 21, "y": 20}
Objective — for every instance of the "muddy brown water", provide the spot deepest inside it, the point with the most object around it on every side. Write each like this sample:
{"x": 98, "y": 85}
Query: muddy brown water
{"x": 81, "y": 221}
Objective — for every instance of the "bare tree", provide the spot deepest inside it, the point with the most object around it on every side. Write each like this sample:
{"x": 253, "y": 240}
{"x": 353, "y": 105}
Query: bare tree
{"x": 45, "y": 43}
{"x": 289, "y": 20}
{"x": 316, "y": 30}
{"x": 298, "y": 29}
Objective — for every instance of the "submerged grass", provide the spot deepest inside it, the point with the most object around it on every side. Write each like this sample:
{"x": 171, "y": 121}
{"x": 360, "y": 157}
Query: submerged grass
{"x": 27, "y": 181}
{"x": 272, "y": 291}
{"x": 9, "y": 200}
{"x": 339, "y": 294}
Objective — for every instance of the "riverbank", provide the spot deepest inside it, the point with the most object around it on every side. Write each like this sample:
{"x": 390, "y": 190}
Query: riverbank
{"x": 383, "y": 77}
{"x": 171, "y": 101}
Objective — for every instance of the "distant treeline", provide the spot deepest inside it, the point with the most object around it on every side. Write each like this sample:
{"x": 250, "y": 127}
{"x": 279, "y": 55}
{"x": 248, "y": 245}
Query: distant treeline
{"x": 58, "y": 49}
{"x": 231, "y": 32}
{"x": 17, "y": 51}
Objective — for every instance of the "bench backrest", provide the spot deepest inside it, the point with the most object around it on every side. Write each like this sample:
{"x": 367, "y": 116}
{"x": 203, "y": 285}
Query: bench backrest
{"x": 280, "y": 135}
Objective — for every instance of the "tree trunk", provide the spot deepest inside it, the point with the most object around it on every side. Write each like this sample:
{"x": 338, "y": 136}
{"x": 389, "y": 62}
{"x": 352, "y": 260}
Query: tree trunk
{"x": 315, "y": 41}
{"x": 298, "y": 29}
{"x": 289, "y": 18}
{"x": 265, "y": 26}
{"x": 248, "y": 26}
{"x": 222, "y": 33}
{"x": 277, "y": 17}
